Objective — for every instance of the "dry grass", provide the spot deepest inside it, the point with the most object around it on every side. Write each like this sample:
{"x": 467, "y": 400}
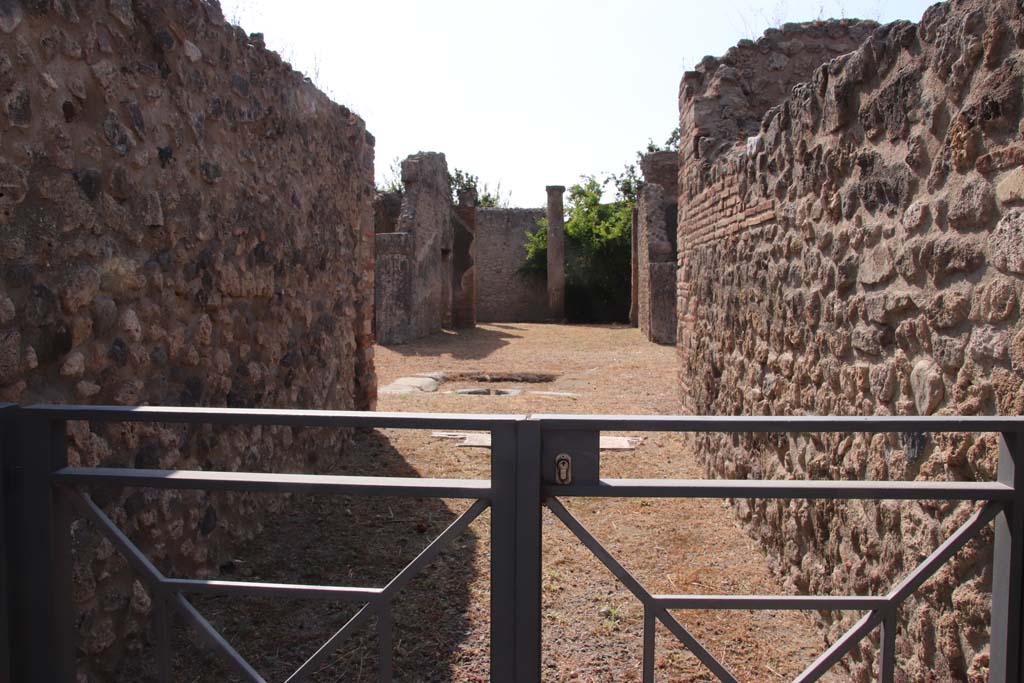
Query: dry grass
{"x": 592, "y": 625}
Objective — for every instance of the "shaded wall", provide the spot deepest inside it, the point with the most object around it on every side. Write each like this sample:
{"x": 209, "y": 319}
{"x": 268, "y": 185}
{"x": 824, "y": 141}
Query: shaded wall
{"x": 858, "y": 253}
{"x": 396, "y": 269}
{"x": 503, "y": 294}
{"x": 655, "y": 252}
{"x": 464, "y": 261}
{"x": 184, "y": 220}
{"x": 387, "y": 207}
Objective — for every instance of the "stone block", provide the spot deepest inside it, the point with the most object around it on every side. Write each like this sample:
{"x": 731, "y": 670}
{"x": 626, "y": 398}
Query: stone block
{"x": 927, "y": 385}
{"x": 1006, "y": 243}
{"x": 1010, "y": 189}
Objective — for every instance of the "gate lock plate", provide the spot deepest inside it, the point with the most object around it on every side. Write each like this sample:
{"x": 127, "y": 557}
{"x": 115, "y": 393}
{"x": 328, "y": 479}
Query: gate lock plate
{"x": 571, "y": 456}
{"x": 563, "y": 469}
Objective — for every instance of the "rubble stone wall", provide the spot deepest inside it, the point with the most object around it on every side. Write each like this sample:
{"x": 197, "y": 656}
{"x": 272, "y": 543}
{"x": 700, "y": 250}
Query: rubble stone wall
{"x": 427, "y": 215}
{"x": 185, "y": 220}
{"x": 504, "y": 294}
{"x": 724, "y": 99}
{"x": 861, "y": 252}
{"x": 416, "y": 299}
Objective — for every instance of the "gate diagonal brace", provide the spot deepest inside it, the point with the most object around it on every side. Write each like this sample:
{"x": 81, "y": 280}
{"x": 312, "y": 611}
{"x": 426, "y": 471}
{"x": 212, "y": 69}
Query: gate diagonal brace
{"x": 924, "y": 571}
{"x": 396, "y": 584}
{"x": 641, "y": 593}
{"x": 653, "y": 604}
{"x": 170, "y": 591}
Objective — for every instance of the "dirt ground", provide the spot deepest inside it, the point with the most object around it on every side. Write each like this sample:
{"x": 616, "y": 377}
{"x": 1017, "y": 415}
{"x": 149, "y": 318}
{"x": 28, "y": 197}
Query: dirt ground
{"x": 592, "y": 625}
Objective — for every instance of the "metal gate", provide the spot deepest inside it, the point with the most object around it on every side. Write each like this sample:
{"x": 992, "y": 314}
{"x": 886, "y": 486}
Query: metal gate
{"x": 535, "y": 461}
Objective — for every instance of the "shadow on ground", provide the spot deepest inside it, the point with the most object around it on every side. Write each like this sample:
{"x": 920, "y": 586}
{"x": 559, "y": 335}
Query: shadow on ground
{"x": 469, "y": 344}
{"x": 343, "y": 541}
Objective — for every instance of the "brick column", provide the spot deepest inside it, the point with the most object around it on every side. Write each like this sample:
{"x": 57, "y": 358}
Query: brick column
{"x": 634, "y": 278}
{"x": 556, "y": 253}
{"x": 464, "y": 262}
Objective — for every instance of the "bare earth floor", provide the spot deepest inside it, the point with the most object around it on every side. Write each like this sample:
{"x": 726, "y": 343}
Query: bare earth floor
{"x": 592, "y": 624}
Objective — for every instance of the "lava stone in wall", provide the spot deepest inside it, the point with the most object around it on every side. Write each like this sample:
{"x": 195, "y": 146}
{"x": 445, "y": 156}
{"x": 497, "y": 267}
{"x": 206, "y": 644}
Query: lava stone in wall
{"x": 854, "y": 251}
{"x": 185, "y": 220}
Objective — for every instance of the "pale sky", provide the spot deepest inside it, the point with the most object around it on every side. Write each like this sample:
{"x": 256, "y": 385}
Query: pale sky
{"x": 527, "y": 93}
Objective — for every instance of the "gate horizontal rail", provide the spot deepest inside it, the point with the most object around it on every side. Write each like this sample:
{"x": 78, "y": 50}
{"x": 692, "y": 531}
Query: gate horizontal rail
{"x": 796, "y": 488}
{"x": 781, "y": 424}
{"x": 536, "y": 461}
{"x": 275, "y": 483}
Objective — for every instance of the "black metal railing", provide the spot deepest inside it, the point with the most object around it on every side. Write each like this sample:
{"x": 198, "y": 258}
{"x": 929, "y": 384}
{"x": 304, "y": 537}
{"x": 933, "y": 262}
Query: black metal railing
{"x": 535, "y": 462}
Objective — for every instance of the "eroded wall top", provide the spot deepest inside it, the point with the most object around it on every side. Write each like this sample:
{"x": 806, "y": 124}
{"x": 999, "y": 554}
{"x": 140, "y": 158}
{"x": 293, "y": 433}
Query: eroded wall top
{"x": 662, "y": 169}
{"x": 724, "y": 99}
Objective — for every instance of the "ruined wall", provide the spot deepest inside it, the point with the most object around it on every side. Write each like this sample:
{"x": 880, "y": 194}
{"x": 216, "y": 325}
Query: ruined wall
{"x": 395, "y": 271}
{"x": 185, "y": 221}
{"x": 426, "y": 213}
{"x": 725, "y": 98}
{"x": 387, "y": 207}
{"x": 423, "y": 305}
{"x": 634, "y": 269}
{"x": 503, "y": 294}
{"x": 464, "y": 261}
{"x": 655, "y": 252}
{"x": 861, "y": 254}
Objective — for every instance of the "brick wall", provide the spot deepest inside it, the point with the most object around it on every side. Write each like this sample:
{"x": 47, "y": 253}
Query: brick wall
{"x": 503, "y": 294}
{"x": 719, "y": 212}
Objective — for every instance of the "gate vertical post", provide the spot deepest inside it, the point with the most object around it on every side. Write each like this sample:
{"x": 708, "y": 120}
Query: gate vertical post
{"x": 528, "y": 552}
{"x": 503, "y": 552}
{"x": 1005, "y": 664}
{"x": 45, "y": 611}
{"x": 7, "y": 412}
{"x": 515, "y": 552}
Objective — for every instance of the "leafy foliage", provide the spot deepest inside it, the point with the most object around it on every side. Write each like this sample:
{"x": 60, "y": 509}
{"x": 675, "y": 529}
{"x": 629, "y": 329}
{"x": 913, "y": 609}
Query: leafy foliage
{"x": 597, "y": 243}
{"x": 597, "y": 250}
{"x": 461, "y": 180}
{"x": 671, "y": 145}
{"x": 393, "y": 179}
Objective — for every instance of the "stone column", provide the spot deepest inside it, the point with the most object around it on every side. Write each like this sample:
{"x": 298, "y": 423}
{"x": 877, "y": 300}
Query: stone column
{"x": 556, "y": 253}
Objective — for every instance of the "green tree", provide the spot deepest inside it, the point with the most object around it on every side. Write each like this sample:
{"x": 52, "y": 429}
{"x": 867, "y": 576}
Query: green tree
{"x": 393, "y": 179}
{"x": 597, "y": 243}
{"x": 671, "y": 145}
{"x": 461, "y": 180}
{"x": 597, "y": 249}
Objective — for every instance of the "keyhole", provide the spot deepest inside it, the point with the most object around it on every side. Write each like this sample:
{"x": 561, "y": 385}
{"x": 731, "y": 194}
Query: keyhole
{"x": 563, "y": 469}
